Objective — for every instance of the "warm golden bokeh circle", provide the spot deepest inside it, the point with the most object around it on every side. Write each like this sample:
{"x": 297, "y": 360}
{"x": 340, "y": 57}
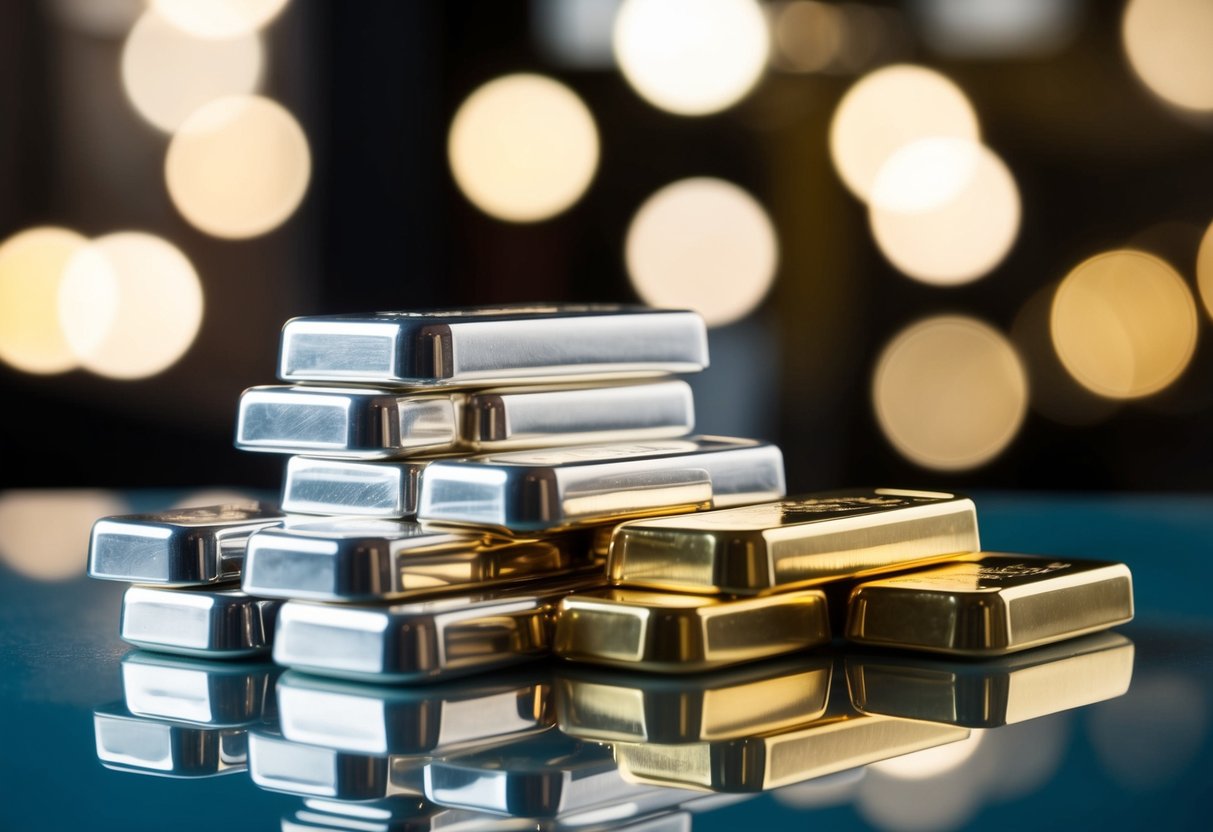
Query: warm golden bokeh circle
{"x": 1170, "y": 47}
{"x": 31, "y": 269}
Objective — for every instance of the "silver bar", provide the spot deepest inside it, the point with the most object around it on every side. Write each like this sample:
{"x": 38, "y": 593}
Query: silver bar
{"x": 198, "y": 691}
{"x": 208, "y": 623}
{"x": 506, "y": 345}
{"x": 422, "y": 640}
{"x": 435, "y": 720}
{"x": 371, "y": 423}
{"x": 181, "y": 547}
{"x": 347, "y": 422}
{"x": 366, "y": 560}
{"x": 526, "y": 491}
{"x": 166, "y": 749}
{"x": 363, "y": 489}
{"x": 279, "y": 765}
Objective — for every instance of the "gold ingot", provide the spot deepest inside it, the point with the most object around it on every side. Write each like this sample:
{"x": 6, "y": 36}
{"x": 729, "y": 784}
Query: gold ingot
{"x": 991, "y": 604}
{"x": 794, "y": 542}
{"x": 607, "y": 706}
{"x": 999, "y": 692}
{"x": 753, "y": 764}
{"x": 686, "y": 633}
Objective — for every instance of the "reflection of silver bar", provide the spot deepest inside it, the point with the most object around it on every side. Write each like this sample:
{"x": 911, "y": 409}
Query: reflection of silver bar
{"x": 279, "y": 765}
{"x": 438, "y": 638}
{"x": 166, "y": 749}
{"x": 996, "y": 692}
{"x": 585, "y": 484}
{"x": 208, "y": 623}
{"x": 197, "y": 691}
{"x": 178, "y": 547}
{"x": 508, "y": 345}
{"x": 360, "y": 560}
{"x": 434, "y": 719}
{"x": 369, "y": 423}
{"x": 363, "y": 489}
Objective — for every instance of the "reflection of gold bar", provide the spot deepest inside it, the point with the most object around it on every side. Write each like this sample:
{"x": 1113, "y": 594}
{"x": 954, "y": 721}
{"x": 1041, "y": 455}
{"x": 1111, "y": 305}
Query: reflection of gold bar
{"x": 686, "y": 633}
{"x": 998, "y": 692}
{"x": 726, "y": 705}
{"x": 766, "y": 762}
{"x": 991, "y": 604}
{"x": 793, "y": 542}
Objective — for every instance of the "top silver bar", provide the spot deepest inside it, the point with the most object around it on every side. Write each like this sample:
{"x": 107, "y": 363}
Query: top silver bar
{"x": 501, "y": 345}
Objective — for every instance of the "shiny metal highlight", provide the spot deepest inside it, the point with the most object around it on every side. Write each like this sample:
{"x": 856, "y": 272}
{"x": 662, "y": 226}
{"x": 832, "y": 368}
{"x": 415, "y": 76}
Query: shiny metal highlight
{"x": 207, "y": 623}
{"x": 795, "y": 542}
{"x": 526, "y": 491}
{"x": 997, "y": 692}
{"x": 167, "y": 749}
{"x": 279, "y": 765}
{"x": 198, "y": 691}
{"x": 612, "y": 707}
{"x": 179, "y": 547}
{"x": 435, "y": 720}
{"x": 505, "y": 345}
{"x": 991, "y": 604}
{"x": 372, "y": 560}
{"x": 422, "y": 640}
{"x": 686, "y": 633}
{"x": 353, "y": 488}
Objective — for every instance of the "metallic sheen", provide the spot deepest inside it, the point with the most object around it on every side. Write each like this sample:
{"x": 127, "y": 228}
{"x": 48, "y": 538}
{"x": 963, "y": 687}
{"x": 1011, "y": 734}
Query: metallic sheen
{"x": 991, "y": 604}
{"x": 368, "y": 560}
{"x": 436, "y": 720}
{"x": 221, "y": 694}
{"x": 997, "y": 692}
{"x": 279, "y": 765}
{"x": 794, "y": 542}
{"x": 166, "y": 749}
{"x": 207, "y": 623}
{"x": 687, "y": 633}
{"x": 422, "y": 640}
{"x": 524, "y": 491}
{"x": 355, "y": 488}
{"x": 180, "y": 547}
{"x": 505, "y": 345}
{"x": 610, "y": 707}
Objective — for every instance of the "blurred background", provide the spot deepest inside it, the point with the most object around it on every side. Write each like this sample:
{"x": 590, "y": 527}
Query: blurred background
{"x": 940, "y": 243}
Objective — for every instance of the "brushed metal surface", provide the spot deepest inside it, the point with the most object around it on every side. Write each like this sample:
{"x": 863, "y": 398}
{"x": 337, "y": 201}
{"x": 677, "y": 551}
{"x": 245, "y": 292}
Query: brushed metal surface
{"x": 505, "y": 345}
{"x": 179, "y": 547}
{"x": 207, "y": 623}
{"x": 798, "y": 541}
{"x": 387, "y": 489}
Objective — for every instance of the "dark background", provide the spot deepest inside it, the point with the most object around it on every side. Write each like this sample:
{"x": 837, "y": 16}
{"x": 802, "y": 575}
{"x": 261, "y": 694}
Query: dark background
{"x": 1099, "y": 161}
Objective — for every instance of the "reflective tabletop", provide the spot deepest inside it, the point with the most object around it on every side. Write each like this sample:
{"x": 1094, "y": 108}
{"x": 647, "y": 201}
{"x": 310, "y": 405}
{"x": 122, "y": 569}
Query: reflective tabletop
{"x": 1109, "y": 731}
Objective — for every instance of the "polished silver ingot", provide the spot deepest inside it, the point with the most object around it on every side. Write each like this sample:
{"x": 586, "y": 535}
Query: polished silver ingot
{"x": 370, "y": 560}
{"x": 198, "y": 691}
{"x": 179, "y": 547}
{"x": 523, "y": 491}
{"x": 370, "y": 423}
{"x": 412, "y": 642}
{"x": 167, "y": 749}
{"x": 207, "y": 623}
{"x": 280, "y": 765}
{"x": 435, "y": 720}
{"x": 506, "y": 345}
{"x": 354, "y": 488}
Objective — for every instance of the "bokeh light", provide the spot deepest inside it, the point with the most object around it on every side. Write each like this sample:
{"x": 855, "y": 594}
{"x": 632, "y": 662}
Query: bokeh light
{"x": 950, "y": 392}
{"x": 995, "y": 29}
{"x": 944, "y": 210}
{"x": 167, "y": 73}
{"x": 888, "y": 109}
{"x": 930, "y": 762}
{"x": 1170, "y": 47}
{"x": 1204, "y": 270}
{"x": 130, "y": 305}
{"x": 238, "y": 166}
{"x": 212, "y": 497}
{"x": 703, "y": 244}
{"x": 691, "y": 57}
{"x": 219, "y": 18}
{"x": 1124, "y": 324}
{"x": 523, "y": 148}
{"x": 31, "y": 267}
{"x": 44, "y": 534}
{"x": 808, "y": 36}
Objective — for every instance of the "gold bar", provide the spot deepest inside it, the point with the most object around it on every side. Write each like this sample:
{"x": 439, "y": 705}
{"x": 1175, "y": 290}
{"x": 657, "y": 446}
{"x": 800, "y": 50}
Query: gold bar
{"x": 998, "y": 692}
{"x": 991, "y": 604}
{"x": 753, "y": 764}
{"x": 686, "y": 633}
{"x": 793, "y": 542}
{"x": 610, "y": 707}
